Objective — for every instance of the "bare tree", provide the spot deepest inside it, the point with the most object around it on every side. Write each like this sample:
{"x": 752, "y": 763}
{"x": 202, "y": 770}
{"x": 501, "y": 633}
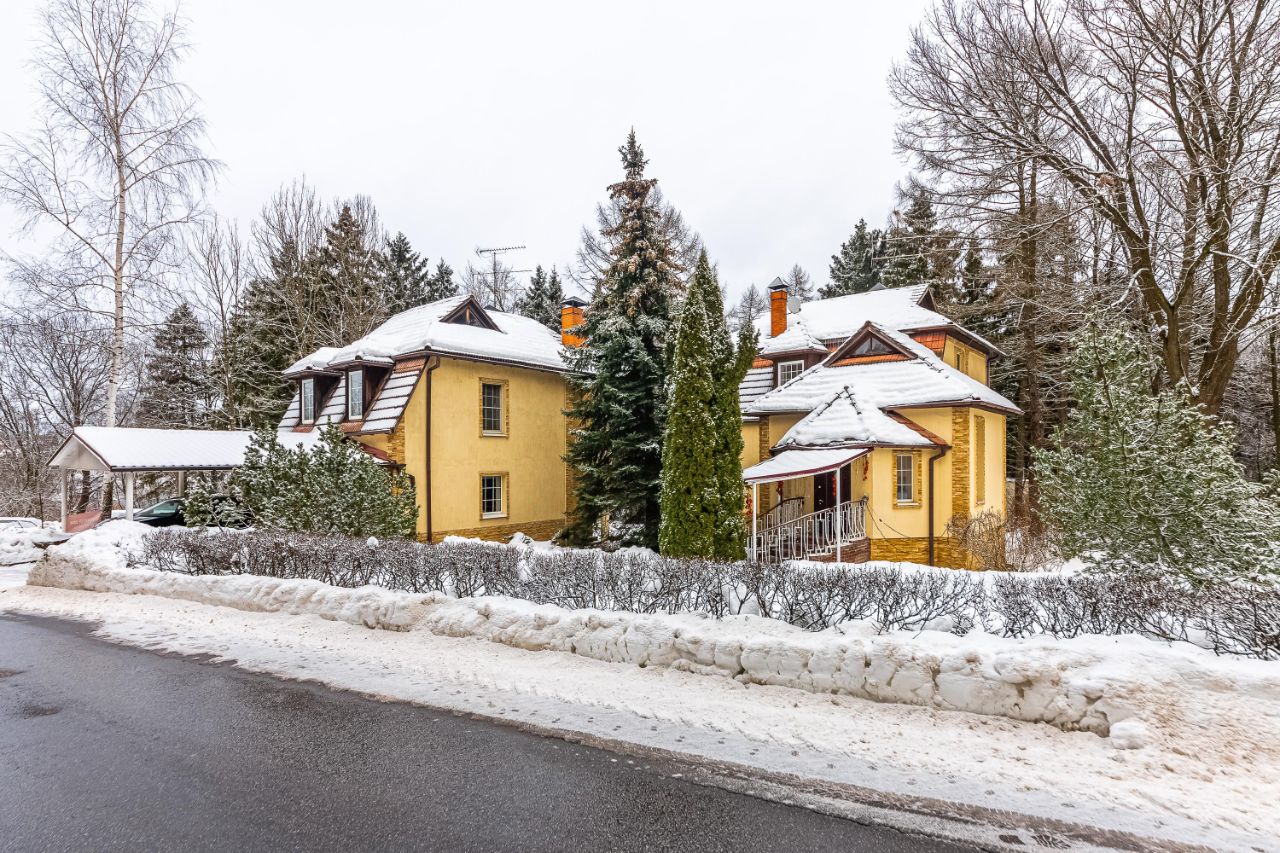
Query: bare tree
{"x": 219, "y": 277}
{"x": 117, "y": 163}
{"x": 495, "y": 284}
{"x": 799, "y": 283}
{"x": 1160, "y": 118}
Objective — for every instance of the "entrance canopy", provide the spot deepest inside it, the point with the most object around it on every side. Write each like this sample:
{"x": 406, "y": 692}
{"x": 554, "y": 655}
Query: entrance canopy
{"x": 790, "y": 464}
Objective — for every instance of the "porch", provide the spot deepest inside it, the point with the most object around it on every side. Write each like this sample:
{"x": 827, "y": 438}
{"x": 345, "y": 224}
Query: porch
{"x": 809, "y": 505}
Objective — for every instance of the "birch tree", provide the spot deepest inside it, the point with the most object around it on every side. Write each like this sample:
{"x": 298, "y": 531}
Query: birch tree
{"x": 116, "y": 165}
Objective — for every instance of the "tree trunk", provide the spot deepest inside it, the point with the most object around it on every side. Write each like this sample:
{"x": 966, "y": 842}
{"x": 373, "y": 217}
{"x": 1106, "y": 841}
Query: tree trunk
{"x": 1273, "y": 341}
{"x": 116, "y": 375}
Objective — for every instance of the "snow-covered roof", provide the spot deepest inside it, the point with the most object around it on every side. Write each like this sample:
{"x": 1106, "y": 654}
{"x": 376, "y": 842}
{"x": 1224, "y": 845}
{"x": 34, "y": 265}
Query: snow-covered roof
{"x": 756, "y": 383}
{"x": 798, "y": 463}
{"x": 517, "y": 340}
{"x": 97, "y": 448}
{"x": 921, "y": 380}
{"x": 385, "y": 412}
{"x": 824, "y": 321}
{"x": 844, "y": 421}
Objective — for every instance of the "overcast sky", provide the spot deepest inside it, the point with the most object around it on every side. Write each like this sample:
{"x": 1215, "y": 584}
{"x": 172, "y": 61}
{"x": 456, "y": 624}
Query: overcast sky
{"x": 490, "y": 124}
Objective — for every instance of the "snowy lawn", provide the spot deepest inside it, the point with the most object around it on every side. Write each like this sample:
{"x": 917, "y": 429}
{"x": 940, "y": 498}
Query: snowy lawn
{"x": 1202, "y": 761}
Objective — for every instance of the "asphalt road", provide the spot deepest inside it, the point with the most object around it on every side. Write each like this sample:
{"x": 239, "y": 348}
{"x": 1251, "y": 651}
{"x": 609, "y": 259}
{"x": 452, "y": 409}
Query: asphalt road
{"x": 105, "y": 747}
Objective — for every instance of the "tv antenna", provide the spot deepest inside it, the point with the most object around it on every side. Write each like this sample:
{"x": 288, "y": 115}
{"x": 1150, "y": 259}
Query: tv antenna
{"x": 498, "y": 273}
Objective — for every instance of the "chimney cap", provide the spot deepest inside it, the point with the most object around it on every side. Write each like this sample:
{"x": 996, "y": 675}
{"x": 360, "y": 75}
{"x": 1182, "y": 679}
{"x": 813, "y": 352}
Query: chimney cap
{"x": 574, "y": 302}
{"x": 778, "y": 284}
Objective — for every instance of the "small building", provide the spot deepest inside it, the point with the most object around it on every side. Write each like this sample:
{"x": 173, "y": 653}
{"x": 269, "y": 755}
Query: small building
{"x": 869, "y": 426}
{"x": 467, "y": 400}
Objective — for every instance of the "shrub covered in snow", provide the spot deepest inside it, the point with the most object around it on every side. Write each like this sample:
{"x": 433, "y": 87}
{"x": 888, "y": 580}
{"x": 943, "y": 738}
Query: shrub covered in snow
{"x": 1233, "y": 619}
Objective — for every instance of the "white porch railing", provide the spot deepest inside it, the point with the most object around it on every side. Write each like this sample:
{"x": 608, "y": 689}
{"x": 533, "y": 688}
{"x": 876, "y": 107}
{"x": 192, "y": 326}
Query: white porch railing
{"x": 784, "y": 512}
{"x": 817, "y": 533}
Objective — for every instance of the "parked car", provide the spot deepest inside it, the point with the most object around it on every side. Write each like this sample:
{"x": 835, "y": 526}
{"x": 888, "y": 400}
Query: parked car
{"x": 16, "y": 522}
{"x": 168, "y": 513}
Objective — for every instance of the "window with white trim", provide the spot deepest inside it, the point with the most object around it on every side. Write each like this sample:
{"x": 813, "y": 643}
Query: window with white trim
{"x": 492, "y": 496}
{"x": 491, "y": 414}
{"x": 904, "y": 478}
{"x": 788, "y": 370}
{"x": 355, "y": 394}
{"x": 309, "y": 400}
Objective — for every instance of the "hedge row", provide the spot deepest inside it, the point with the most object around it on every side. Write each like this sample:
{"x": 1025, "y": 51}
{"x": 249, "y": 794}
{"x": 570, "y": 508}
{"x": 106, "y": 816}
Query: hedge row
{"x": 1231, "y": 619}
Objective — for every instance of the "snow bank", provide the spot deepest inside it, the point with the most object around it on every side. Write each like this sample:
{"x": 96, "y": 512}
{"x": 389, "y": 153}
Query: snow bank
{"x": 19, "y": 546}
{"x": 1088, "y": 683}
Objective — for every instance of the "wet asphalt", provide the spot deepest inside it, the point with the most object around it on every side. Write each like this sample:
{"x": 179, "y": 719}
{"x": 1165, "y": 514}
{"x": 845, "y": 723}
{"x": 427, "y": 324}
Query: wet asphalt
{"x": 106, "y": 747}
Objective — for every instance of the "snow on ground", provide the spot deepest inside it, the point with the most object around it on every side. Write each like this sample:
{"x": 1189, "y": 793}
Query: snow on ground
{"x": 1206, "y": 767}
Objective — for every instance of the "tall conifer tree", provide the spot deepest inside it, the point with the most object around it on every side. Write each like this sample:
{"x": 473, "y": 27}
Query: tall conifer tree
{"x": 620, "y": 375}
{"x": 855, "y": 269}
{"x": 406, "y": 275}
{"x": 176, "y": 390}
{"x": 543, "y": 298}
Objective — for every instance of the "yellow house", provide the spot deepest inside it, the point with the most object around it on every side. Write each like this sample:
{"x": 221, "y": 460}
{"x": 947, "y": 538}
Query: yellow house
{"x": 868, "y": 426}
{"x": 468, "y": 401}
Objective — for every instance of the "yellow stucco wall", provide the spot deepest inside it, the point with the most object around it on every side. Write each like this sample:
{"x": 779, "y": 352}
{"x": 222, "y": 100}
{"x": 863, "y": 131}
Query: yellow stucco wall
{"x": 531, "y": 454}
{"x": 750, "y": 444}
{"x": 954, "y": 352}
{"x": 995, "y": 464}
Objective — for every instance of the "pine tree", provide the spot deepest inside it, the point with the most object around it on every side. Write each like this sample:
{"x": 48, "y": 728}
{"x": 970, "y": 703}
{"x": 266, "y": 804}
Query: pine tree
{"x": 856, "y": 268}
{"x": 543, "y": 298}
{"x": 1146, "y": 483}
{"x": 917, "y": 251}
{"x": 405, "y": 275}
{"x": 690, "y": 500}
{"x": 621, "y": 372}
{"x": 442, "y": 285}
{"x": 799, "y": 283}
{"x": 176, "y": 391}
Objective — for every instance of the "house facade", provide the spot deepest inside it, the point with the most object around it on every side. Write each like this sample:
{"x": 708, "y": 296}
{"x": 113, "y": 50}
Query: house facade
{"x": 468, "y": 401}
{"x": 869, "y": 425}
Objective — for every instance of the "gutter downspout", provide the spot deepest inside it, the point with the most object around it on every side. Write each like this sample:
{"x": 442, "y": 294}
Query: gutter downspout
{"x": 432, "y": 363}
{"x": 932, "y": 459}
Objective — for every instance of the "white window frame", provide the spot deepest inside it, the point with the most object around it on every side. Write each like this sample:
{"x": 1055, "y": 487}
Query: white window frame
{"x": 798, "y": 364}
{"x": 355, "y": 394}
{"x": 501, "y": 482}
{"x": 502, "y": 407}
{"x": 910, "y": 480}
{"x": 307, "y": 401}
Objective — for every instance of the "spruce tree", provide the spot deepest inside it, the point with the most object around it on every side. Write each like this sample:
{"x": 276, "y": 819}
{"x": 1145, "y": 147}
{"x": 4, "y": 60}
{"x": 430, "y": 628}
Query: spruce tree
{"x": 690, "y": 497}
{"x": 543, "y": 298}
{"x": 176, "y": 391}
{"x": 1144, "y": 482}
{"x": 442, "y": 285}
{"x": 350, "y": 301}
{"x": 917, "y": 251}
{"x": 620, "y": 374}
{"x": 855, "y": 269}
{"x": 405, "y": 274}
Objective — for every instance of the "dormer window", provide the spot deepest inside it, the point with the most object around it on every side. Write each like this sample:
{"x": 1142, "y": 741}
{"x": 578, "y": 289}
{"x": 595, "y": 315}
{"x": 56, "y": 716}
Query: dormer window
{"x": 788, "y": 370}
{"x": 871, "y": 345}
{"x": 309, "y": 400}
{"x": 355, "y": 394}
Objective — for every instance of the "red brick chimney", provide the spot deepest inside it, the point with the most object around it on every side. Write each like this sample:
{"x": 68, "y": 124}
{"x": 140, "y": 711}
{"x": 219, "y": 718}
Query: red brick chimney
{"x": 777, "y": 307}
{"x": 572, "y": 314}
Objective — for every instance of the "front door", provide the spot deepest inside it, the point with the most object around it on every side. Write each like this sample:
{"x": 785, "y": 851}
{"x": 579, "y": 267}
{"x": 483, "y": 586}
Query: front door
{"x": 824, "y": 488}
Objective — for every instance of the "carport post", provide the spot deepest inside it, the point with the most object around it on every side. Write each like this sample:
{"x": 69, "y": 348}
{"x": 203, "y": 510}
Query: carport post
{"x": 839, "y": 532}
{"x": 62, "y": 496}
{"x": 182, "y": 484}
{"x": 128, "y": 495}
{"x": 755, "y": 515}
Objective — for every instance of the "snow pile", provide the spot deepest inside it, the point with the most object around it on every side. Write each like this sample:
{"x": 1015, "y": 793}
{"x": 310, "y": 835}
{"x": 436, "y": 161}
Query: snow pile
{"x": 19, "y": 545}
{"x": 1088, "y": 683}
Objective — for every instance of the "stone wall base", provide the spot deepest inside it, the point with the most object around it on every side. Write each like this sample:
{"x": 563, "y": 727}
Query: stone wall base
{"x": 946, "y": 551}
{"x": 540, "y": 530}
{"x": 855, "y": 552}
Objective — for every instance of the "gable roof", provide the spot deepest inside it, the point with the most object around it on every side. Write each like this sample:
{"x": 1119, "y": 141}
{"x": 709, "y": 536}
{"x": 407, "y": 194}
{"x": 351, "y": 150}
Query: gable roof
{"x": 435, "y": 327}
{"x": 820, "y": 322}
{"x": 925, "y": 380}
{"x": 845, "y": 421}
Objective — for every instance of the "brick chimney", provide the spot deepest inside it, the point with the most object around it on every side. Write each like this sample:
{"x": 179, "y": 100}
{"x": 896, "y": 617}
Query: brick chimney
{"x": 571, "y": 316}
{"x": 777, "y": 307}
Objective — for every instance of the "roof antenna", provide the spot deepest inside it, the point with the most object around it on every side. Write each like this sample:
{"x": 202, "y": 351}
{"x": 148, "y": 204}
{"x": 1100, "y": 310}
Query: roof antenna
{"x": 497, "y": 273}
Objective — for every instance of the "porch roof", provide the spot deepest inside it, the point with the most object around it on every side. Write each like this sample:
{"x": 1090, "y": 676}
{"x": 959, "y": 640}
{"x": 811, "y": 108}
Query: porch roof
{"x": 790, "y": 464}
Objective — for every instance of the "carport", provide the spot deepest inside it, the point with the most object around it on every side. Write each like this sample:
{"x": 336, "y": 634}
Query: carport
{"x": 130, "y": 451}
